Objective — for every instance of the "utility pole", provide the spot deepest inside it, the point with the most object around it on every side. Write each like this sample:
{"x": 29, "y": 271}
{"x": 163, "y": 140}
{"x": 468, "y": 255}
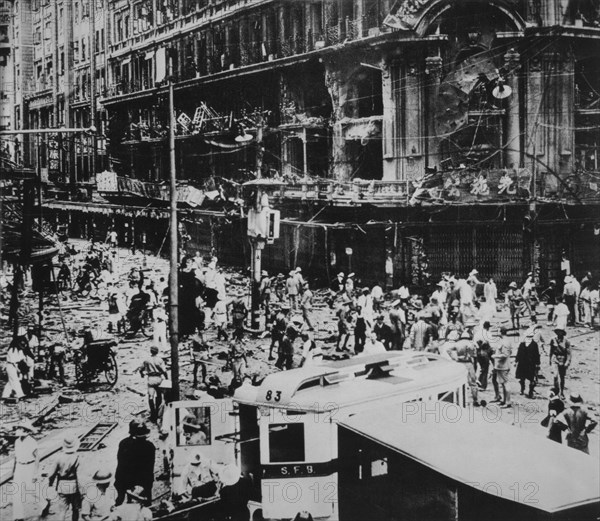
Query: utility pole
{"x": 174, "y": 254}
{"x": 257, "y": 242}
{"x": 92, "y": 44}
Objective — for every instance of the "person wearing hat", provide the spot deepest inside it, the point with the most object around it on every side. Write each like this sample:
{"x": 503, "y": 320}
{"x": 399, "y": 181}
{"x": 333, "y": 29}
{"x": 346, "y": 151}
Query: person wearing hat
{"x": 292, "y": 287}
{"x": 528, "y": 363}
{"x": 154, "y": 368}
{"x": 285, "y": 358}
{"x": 577, "y": 422}
{"x": 560, "y": 358}
{"x": 200, "y": 478}
{"x": 500, "y": 373}
{"x": 336, "y": 288}
{"x": 549, "y": 295}
{"x": 516, "y": 304}
{"x": 306, "y": 304}
{"x": 300, "y": 279}
{"x": 134, "y": 509}
{"x": 65, "y": 475}
{"x": 26, "y": 468}
{"x": 135, "y": 462}
{"x": 397, "y": 319}
{"x": 15, "y": 366}
{"x": 97, "y": 503}
{"x": 235, "y": 494}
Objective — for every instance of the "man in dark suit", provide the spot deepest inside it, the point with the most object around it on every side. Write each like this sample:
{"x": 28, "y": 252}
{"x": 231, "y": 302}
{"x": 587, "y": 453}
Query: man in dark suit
{"x": 135, "y": 462}
{"x": 528, "y": 363}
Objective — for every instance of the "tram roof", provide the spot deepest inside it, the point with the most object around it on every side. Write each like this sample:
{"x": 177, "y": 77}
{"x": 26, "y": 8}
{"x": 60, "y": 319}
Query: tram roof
{"x": 381, "y": 375}
{"x": 475, "y": 448}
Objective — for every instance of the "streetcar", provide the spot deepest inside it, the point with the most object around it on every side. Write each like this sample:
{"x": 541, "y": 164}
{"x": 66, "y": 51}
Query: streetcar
{"x": 288, "y": 426}
{"x": 407, "y": 461}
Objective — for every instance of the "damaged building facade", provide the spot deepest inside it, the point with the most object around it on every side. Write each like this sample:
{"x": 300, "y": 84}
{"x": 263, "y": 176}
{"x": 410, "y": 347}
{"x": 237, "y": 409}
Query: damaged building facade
{"x": 405, "y": 138}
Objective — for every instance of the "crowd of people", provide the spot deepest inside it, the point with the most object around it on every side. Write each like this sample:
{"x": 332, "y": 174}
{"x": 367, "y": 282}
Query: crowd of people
{"x": 457, "y": 319}
{"x": 122, "y": 495}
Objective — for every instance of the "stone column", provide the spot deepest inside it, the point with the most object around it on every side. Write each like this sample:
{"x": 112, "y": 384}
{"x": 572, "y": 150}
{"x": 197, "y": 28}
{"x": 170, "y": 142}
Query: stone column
{"x": 413, "y": 161}
{"x": 534, "y": 131}
{"x": 387, "y": 127}
{"x": 265, "y": 36}
{"x": 433, "y": 65}
{"x": 282, "y": 13}
{"x": 512, "y": 141}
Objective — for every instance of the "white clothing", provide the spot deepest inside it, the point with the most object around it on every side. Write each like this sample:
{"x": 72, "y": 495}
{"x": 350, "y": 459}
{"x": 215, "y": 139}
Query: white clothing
{"x": 561, "y": 313}
{"x": 25, "y": 471}
{"x": 13, "y": 357}
{"x": 372, "y": 347}
{"x": 311, "y": 356}
{"x": 490, "y": 292}
{"x": 376, "y": 292}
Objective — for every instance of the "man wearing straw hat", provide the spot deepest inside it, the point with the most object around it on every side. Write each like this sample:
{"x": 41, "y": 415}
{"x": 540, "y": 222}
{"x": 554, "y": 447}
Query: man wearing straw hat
{"x": 26, "y": 468}
{"x": 97, "y": 503}
{"x": 134, "y": 509}
{"x": 65, "y": 475}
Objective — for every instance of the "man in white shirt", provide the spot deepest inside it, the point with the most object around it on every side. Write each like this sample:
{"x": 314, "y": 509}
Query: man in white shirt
{"x": 372, "y": 346}
{"x": 377, "y": 297}
{"x": 561, "y": 314}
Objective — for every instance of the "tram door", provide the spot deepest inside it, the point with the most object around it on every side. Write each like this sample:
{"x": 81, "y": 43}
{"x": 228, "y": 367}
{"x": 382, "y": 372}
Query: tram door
{"x": 249, "y": 448}
{"x": 204, "y": 428}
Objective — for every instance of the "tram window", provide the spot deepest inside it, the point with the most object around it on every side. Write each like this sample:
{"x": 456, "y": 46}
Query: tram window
{"x": 379, "y": 467}
{"x": 286, "y": 442}
{"x": 446, "y": 397}
{"x": 193, "y": 426}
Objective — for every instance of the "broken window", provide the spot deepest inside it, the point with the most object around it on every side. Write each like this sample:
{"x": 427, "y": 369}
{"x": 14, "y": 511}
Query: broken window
{"x": 364, "y": 94}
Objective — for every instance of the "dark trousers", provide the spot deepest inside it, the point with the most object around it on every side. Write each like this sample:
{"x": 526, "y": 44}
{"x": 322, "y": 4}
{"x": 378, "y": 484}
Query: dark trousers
{"x": 122, "y": 490}
{"x": 202, "y": 366}
{"x": 285, "y": 360}
{"x": 484, "y": 364}
{"x": 531, "y": 385}
{"x": 570, "y": 301}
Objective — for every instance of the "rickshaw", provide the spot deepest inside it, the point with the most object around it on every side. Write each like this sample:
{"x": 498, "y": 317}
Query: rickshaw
{"x": 94, "y": 358}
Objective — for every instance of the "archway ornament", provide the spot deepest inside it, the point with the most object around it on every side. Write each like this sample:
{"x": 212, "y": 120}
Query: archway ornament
{"x": 419, "y": 15}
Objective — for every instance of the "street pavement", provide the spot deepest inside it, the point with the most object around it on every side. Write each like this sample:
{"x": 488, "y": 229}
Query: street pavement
{"x": 127, "y": 399}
